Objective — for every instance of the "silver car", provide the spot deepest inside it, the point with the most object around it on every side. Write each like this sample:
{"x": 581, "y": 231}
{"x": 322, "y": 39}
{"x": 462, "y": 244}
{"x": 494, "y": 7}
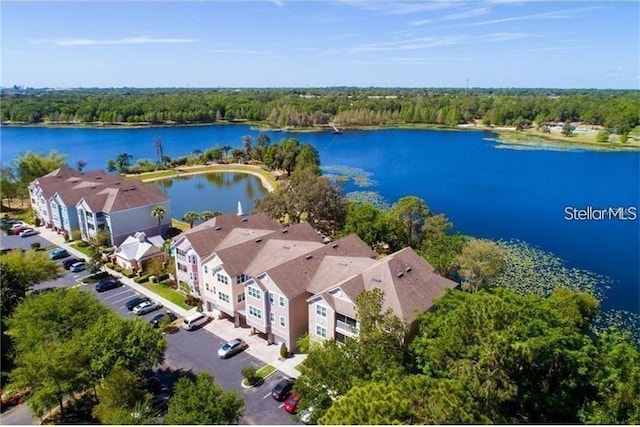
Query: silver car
{"x": 146, "y": 307}
{"x": 232, "y": 347}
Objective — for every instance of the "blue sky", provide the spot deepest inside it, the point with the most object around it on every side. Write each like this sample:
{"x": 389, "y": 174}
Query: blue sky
{"x": 305, "y": 43}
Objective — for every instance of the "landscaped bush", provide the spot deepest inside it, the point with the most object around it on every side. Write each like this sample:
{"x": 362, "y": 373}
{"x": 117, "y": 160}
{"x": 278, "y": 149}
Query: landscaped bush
{"x": 142, "y": 279}
{"x": 120, "y": 269}
{"x": 82, "y": 244}
{"x": 284, "y": 351}
{"x": 110, "y": 265}
{"x": 76, "y": 235}
{"x": 163, "y": 277}
{"x": 192, "y": 301}
{"x": 35, "y": 246}
{"x": 128, "y": 273}
{"x": 153, "y": 279}
{"x": 249, "y": 374}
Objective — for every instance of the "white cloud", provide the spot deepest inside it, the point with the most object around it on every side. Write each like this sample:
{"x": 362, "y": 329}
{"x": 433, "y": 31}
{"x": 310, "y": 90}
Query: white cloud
{"x": 556, "y": 14}
{"x": 435, "y": 41}
{"x": 116, "y": 42}
{"x": 240, "y": 51}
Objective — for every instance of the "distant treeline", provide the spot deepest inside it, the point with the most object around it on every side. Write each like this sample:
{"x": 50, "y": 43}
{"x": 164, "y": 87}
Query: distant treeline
{"x": 614, "y": 109}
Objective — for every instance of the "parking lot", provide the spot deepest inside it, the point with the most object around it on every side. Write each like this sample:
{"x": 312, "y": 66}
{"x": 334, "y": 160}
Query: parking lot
{"x": 194, "y": 351}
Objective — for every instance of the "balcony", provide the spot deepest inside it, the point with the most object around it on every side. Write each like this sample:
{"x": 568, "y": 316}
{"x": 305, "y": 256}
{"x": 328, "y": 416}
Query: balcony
{"x": 346, "y": 324}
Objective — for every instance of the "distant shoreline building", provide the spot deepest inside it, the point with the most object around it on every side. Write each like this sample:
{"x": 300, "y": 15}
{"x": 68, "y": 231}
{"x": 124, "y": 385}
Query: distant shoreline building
{"x": 67, "y": 200}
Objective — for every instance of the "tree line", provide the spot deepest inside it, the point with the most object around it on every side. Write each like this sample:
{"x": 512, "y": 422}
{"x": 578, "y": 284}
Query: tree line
{"x": 616, "y": 110}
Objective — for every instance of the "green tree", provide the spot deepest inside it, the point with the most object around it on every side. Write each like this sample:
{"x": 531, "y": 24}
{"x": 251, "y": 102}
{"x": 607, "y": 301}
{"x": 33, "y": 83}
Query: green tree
{"x": 520, "y": 358}
{"x": 9, "y": 185}
{"x": 123, "y": 162}
{"x": 308, "y": 158}
{"x": 202, "y": 401}
{"x": 568, "y": 128}
{"x": 53, "y": 370}
{"x": 617, "y": 382}
{"x": 247, "y": 142}
{"x": 602, "y": 136}
{"x": 30, "y": 165}
{"x": 368, "y": 222}
{"x": 306, "y": 197}
{"x": 480, "y": 261}
{"x": 207, "y": 215}
{"x": 191, "y": 217}
{"x": 112, "y": 166}
{"x": 120, "y": 343}
{"x": 158, "y": 213}
{"x": 381, "y": 336}
{"x": 440, "y": 248}
{"x": 411, "y": 212}
{"x": 119, "y": 392}
{"x": 20, "y": 271}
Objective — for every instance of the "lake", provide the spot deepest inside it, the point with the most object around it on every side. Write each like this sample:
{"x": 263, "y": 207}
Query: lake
{"x": 487, "y": 189}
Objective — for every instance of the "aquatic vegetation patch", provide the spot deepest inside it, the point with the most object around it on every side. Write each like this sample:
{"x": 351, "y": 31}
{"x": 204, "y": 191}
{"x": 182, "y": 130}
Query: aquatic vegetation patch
{"x": 530, "y": 270}
{"x": 371, "y": 197}
{"x": 344, "y": 174}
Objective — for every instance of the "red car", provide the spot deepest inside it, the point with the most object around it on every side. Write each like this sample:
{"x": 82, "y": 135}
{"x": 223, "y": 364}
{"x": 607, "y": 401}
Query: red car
{"x": 16, "y": 231}
{"x": 291, "y": 404}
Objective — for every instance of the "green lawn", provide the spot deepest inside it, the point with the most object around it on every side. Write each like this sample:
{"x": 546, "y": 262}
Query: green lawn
{"x": 169, "y": 294}
{"x": 265, "y": 371}
{"x": 86, "y": 250}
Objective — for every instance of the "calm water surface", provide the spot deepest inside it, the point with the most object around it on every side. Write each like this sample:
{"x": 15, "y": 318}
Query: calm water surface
{"x": 486, "y": 189}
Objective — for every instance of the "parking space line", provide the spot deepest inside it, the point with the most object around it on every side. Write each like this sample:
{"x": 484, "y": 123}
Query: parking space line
{"x": 281, "y": 405}
{"x": 123, "y": 299}
{"x": 112, "y": 296}
{"x": 266, "y": 395}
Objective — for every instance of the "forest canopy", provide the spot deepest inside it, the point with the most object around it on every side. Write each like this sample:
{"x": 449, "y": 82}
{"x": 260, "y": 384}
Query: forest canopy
{"x": 345, "y": 106}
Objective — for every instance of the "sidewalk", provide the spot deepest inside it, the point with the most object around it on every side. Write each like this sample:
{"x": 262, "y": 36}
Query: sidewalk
{"x": 223, "y": 328}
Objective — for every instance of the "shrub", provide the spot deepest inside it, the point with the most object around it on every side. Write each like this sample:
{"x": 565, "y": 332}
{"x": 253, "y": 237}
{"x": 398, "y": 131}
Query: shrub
{"x": 142, "y": 279}
{"x": 192, "y": 301}
{"x": 249, "y": 374}
{"x": 127, "y": 273}
{"x": 304, "y": 342}
{"x": 82, "y": 244}
{"x": 37, "y": 222}
{"x": 120, "y": 270}
{"x": 35, "y": 246}
{"x": 110, "y": 265}
{"x": 76, "y": 235}
{"x": 284, "y": 351}
{"x": 153, "y": 279}
{"x": 163, "y": 277}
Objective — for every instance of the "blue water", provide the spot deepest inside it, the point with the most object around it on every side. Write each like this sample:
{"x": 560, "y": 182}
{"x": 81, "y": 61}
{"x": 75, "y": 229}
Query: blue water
{"x": 486, "y": 191}
{"x": 212, "y": 192}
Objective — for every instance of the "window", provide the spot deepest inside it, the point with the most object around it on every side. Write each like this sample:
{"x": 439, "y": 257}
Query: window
{"x": 321, "y": 310}
{"x": 89, "y": 214}
{"x": 223, "y": 297}
{"x": 321, "y": 332}
{"x": 272, "y": 317}
{"x": 283, "y": 322}
{"x": 99, "y": 215}
{"x": 222, "y": 279}
{"x": 206, "y": 269}
{"x": 241, "y": 297}
{"x": 240, "y": 279}
{"x": 282, "y": 301}
{"x": 272, "y": 297}
{"x": 255, "y": 312}
{"x": 255, "y": 293}
{"x": 182, "y": 267}
{"x": 206, "y": 286}
{"x": 90, "y": 226}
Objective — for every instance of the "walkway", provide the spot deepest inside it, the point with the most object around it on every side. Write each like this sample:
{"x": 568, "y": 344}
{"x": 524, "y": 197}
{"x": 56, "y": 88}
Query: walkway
{"x": 223, "y": 328}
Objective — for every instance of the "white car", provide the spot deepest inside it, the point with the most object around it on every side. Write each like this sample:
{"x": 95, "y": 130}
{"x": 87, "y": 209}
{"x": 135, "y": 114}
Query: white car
{"x": 146, "y": 307}
{"x": 28, "y": 232}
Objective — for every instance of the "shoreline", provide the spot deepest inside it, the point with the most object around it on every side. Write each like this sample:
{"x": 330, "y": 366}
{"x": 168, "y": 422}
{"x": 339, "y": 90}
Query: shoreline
{"x": 256, "y": 171}
{"x": 505, "y": 135}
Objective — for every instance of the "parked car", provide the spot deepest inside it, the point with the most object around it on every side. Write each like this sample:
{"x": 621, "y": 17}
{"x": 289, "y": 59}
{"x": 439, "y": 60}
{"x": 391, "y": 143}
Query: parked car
{"x": 17, "y": 224}
{"x": 67, "y": 263}
{"x": 28, "y": 232}
{"x": 194, "y": 321}
{"x": 133, "y": 302}
{"x": 291, "y": 404}
{"x": 159, "y": 318}
{"x": 7, "y": 400}
{"x": 146, "y": 307}
{"x": 232, "y": 347}
{"x": 305, "y": 415}
{"x": 107, "y": 284}
{"x": 282, "y": 390}
{"x": 16, "y": 231}
{"x": 78, "y": 266}
{"x": 58, "y": 253}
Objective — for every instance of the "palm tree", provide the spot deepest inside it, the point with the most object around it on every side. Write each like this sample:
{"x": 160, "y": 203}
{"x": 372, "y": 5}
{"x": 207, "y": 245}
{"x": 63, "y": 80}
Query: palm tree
{"x": 158, "y": 213}
{"x": 208, "y": 214}
{"x": 191, "y": 217}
